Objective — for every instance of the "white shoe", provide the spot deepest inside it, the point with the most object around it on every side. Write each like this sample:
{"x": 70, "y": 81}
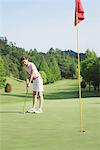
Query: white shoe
{"x": 39, "y": 111}
{"x": 32, "y": 110}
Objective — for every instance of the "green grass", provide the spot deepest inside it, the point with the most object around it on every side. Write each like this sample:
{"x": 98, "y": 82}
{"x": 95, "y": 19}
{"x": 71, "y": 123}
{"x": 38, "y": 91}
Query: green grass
{"x": 55, "y": 129}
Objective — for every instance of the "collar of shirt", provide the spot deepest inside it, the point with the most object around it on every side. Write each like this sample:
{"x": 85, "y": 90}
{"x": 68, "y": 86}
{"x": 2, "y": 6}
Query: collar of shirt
{"x": 28, "y": 64}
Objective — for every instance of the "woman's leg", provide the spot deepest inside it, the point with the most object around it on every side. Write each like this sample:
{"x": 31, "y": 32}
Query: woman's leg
{"x": 41, "y": 100}
{"x": 35, "y": 94}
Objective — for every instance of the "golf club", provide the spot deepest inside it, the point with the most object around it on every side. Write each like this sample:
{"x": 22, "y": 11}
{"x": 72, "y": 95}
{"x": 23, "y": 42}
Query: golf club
{"x": 25, "y": 99}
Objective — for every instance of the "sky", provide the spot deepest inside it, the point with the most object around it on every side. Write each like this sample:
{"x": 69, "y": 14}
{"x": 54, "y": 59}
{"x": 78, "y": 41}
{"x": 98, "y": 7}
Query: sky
{"x": 43, "y": 24}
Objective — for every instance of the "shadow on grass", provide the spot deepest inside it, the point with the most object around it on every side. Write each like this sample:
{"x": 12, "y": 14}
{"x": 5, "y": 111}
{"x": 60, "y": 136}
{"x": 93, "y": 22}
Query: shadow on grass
{"x": 70, "y": 95}
{"x": 17, "y": 95}
{"x": 11, "y": 112}
{"x": 59, "y": 95}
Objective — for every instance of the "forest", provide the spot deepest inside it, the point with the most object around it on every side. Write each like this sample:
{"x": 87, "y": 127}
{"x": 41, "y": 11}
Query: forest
{"x": 55, "y": 64}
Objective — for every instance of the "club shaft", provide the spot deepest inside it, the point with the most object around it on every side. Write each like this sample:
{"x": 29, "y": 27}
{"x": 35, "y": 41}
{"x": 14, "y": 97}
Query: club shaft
{"x": 25, "y": 99}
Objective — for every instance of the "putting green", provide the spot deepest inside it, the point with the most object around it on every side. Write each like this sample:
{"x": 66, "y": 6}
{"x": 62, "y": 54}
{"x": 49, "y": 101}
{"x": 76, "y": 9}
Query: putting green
{"x": 55, "y": 129}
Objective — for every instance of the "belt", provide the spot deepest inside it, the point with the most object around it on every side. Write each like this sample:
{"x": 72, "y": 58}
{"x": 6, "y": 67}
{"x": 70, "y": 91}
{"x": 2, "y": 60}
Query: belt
{"x": 34, "y": 78}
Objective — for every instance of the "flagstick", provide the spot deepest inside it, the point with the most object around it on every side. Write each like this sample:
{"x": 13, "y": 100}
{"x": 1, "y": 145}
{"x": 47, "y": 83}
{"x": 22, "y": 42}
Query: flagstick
{"x": 79, "y": 80}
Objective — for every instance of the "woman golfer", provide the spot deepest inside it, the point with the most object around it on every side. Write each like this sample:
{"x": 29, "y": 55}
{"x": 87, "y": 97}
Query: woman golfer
{"x": 34, "y": 76}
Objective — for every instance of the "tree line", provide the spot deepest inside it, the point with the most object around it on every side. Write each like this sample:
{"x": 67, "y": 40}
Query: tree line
{"x": 53, "y": 65}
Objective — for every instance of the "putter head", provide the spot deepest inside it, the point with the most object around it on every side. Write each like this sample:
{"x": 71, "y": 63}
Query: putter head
{"x": 26, "y": 112}
{"x": 29, "y": 112}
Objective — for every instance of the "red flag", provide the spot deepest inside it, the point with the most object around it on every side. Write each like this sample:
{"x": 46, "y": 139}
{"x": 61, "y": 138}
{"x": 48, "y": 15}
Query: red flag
{"x": 79, "y": 12}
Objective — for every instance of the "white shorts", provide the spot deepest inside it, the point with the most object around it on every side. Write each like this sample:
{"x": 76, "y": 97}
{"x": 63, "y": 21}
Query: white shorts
{"x": 38, "y": 85}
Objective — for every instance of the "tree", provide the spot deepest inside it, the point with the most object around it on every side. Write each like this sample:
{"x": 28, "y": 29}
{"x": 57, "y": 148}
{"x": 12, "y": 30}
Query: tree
{"x": 22, "y": 73}
{"x": 83, "y": 84}
{"x": 3, "y": 43}
{"x": 54, "y": 68}
{"x": 44, "y": 67}
{"x": 6, "y": 65}
{"x": 2, "y": 73}
{"x": 44, "y": 76}
{"x": 95, "y": 81}
{"x": 67, "y": 67}
{"x": 34, "y": 57}
{"x": 14, "y": 70}
{"x": 89, "y": 68}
